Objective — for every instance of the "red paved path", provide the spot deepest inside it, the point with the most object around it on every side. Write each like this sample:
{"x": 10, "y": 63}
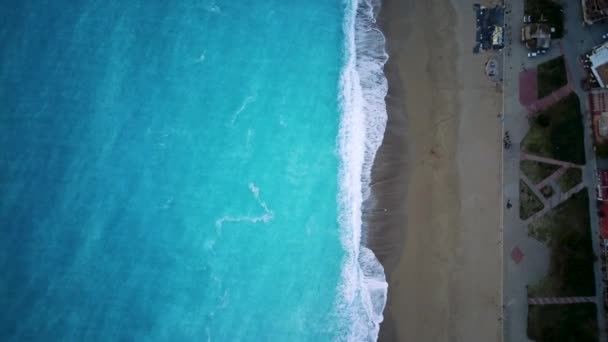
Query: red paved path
{"x": 528, "y": 92}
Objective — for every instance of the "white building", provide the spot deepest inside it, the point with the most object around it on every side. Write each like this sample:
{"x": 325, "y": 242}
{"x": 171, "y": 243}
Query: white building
{"x": 599, "y": 64}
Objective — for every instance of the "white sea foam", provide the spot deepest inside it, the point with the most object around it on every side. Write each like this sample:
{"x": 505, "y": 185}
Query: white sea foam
{"x": 363, "y": 90}
{"x": 201, "y": 58}
{"x": 213, "y": 8}
{"x": 266, "y": 217}
{"x": 247, "y": 101}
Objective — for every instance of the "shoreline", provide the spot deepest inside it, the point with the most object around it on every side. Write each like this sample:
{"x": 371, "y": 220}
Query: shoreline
{"x": 437, "y": 174}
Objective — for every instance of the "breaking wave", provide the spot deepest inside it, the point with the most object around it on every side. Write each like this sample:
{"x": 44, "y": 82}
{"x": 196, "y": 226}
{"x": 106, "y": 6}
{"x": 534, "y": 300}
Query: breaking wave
{"x": 363, "y": 289}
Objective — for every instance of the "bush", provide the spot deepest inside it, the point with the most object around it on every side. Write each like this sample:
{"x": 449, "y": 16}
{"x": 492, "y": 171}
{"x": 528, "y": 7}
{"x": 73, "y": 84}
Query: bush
{"x": 566, "y": 322}
{"x": 543, "y": 120}
{"x": 572, "y": 258}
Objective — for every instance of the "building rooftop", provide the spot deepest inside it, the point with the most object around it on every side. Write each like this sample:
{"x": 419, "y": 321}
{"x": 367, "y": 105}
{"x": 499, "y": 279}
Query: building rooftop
{"x": 594, "y": 10}
{"x": 497, "y": 36}
{"x": 602, "y": 71}
{"x": 536, "y": 36}
{"x": 599, "y": 64}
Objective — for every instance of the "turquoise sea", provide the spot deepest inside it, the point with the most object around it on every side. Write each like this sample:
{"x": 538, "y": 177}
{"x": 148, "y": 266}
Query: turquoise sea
{"x": 188, "y": 170}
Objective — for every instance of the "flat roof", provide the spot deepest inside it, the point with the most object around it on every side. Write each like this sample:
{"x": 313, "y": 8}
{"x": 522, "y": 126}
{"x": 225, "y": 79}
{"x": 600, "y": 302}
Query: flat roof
{"x": 599, "y": 64}
{"x": 594, "y": 10}
{"x": 602, "y": 71}
{"x": 536, "y": 35}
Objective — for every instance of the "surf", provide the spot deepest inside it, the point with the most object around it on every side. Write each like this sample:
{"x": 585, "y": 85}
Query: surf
{"x": 363, "y": 88}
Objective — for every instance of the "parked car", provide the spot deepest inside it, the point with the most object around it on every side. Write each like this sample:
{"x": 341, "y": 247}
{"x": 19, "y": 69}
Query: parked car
{"x": 532, "y": 54}
{"x": 605, "y": 36}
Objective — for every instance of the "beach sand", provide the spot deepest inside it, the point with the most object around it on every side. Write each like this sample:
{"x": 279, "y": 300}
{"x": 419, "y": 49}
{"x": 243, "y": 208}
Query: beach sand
{"x": 438, "y": 175}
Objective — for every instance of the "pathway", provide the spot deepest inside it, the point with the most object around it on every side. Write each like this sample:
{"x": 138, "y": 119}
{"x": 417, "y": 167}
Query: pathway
{"x": 560, "y": 300}
{"x": 552, "y": 178}
{"x": 526, "y": 156}
{"x": 553, "y": 201}
{"x": 558, "y": 197}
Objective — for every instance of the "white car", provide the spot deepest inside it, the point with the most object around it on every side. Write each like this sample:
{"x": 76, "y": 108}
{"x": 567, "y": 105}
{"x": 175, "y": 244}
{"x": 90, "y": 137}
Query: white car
{"x": 532, "y": 54}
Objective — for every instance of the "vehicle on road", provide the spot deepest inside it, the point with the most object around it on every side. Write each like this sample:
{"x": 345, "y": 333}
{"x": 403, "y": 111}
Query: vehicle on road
{"x": 532, "y": 54}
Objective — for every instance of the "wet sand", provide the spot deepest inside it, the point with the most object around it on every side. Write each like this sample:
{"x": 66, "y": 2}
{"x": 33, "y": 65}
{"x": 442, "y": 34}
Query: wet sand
{"x": 437, "y": 174}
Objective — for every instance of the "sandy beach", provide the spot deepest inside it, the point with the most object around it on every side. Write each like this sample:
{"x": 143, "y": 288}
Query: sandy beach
{"x": 438, "y": 175}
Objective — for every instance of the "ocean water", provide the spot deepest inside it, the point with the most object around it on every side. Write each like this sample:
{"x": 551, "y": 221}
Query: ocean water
{"x": 189, "y": 170}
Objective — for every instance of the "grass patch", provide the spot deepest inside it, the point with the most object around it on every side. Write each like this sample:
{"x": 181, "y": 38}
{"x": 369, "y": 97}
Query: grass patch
{"x": 537, "y": 171}
{"x": 557, "y": 132}
{"x": 571, "y": 178}
{"x": 569, "y": 322}
{"x": 547, "y": 191}
{"x": 546, "y": 11}
{"x": 529, "y": 203}
{"x": 566, "y": 231}
{"x": 540, "y": 233}
{"x": 551, "y": 76}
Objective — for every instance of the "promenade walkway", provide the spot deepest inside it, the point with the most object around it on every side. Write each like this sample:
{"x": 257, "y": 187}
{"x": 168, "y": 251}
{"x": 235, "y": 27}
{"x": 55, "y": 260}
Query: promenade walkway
{"x": 531, "y": 261}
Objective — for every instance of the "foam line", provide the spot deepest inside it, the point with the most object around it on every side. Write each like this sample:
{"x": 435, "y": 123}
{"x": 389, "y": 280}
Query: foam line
{"x": 363, "y": 289}
{"x": 247, "y": 101}
{"x": 266, "y": 217}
